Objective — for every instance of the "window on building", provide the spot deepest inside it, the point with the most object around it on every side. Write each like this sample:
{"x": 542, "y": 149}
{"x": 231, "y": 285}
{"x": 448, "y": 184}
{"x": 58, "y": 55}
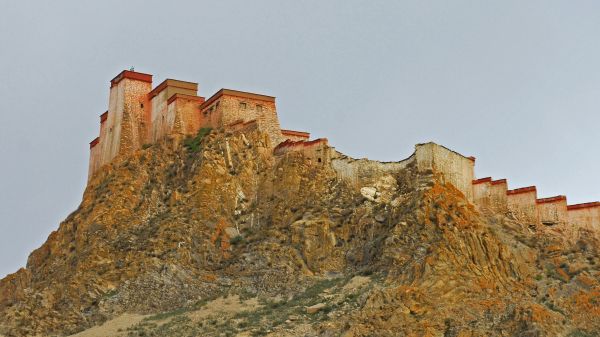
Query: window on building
{"x": 217, "y": 104}
{"x": 319, "y": 160}
{"x": 259, "y": 108}
{"x": 142, "y": 105}
{"x": 243, "y": 105}
{"x": 205, "y": 113}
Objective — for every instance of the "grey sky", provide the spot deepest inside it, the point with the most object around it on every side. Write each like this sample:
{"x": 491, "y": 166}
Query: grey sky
{"x": 514, "y": 83}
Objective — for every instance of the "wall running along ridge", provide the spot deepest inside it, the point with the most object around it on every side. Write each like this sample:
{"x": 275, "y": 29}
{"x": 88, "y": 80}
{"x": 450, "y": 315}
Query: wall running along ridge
{"x": 138, "y": 115}
{"x": 318, "y": 150}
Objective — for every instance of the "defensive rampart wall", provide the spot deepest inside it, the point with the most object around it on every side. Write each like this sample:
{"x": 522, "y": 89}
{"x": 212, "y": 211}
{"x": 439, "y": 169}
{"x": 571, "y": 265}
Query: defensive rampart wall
{"x": 524, "y": 205}
{"x": 553, "y": 210}
{"x": 318, "y": 150}
{"x": 585, "y": 215}
{"x": 428, "y": 158}
{"x": 453, "y": 167}
{"x": 138, "y": 114}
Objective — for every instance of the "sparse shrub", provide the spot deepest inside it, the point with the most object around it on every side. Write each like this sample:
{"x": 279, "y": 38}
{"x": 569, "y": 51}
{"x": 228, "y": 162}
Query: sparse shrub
{"x": 145, "y": 146}
{"x": 193, "y": 144}
{"x": 236, "y": 240}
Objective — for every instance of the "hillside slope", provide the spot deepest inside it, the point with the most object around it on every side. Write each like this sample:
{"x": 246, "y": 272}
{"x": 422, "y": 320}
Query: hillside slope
{"x": 219, "y": 237}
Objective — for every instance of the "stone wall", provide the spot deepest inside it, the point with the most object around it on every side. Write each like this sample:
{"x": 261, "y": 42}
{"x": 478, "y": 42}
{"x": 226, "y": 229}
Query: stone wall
{"x": 498, "y": 200}
{"x": 138, "y": 114}
{"x": 163, "y": 115}
{"x": 482, "y": 192}
{"x": 586, "y": 215}
{"x": 123, "y": 127}
{"x": 553, "y": 210}
{"x": 228, "y": 107}
{"x": 365, "y": 172}
{"x": 186, "y": 112}
{"x": 453, "y": 167}
{"x": 522, "y": 203}
{"x": 295, "y": 135}
{"x": 160, "y": 119}
{"x": 318, "y": 150}
{"x": 94, "y": 163}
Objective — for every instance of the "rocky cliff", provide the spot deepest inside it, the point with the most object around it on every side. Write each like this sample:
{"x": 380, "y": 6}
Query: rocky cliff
{"x": 183, "y": 233}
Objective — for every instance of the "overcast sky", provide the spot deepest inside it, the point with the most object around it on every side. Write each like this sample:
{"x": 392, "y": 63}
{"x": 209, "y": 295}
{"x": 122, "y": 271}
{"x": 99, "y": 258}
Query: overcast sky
{"x": 514, "y": 83}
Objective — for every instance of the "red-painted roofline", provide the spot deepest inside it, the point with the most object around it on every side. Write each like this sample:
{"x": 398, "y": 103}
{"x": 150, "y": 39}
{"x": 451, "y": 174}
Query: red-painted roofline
{"x": 295, "y": 133}
{"x": 551, "y": 199}
{"x": 185, "y": 97}
{"x": 290, "y": 143}
{"x": 482, "y": 180}
{"x": 236, "y": 93}
{"x": 499, "y": 181}
{"x": 584, "y": 205}
{"x": 104, "y": 117}
{"x": 94, "y": 142}
{"x": 471, "y": 158}
{"x": 169, "y": 82}
{"x": 522, "y": 190}
{"x": 133, "y": 75}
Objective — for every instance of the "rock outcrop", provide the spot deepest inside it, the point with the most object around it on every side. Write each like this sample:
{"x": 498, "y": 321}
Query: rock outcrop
{"x": 395, "y": 250}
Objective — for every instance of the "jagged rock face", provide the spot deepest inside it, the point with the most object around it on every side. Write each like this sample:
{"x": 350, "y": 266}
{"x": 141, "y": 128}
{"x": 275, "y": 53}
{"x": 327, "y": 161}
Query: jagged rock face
{"x": 172, "y": 225}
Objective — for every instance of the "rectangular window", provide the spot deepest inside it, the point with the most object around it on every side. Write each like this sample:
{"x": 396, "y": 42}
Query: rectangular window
{"x": 259, "y": 108}
{"x": 243, "y": 105}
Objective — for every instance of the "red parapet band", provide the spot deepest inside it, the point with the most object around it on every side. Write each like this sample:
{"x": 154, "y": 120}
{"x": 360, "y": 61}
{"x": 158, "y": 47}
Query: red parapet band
{"x": 94, "y": 142}
{"x": 584, "y": 205}
{"x": 471, "y": 158}
{"x": 482, "y": 180}
{"x": 104, "y": 117}
{"x": 551, "y": 199}
{"x": 185, "y": 97}
{"x": 295, "y": 133}
{"x": 131, "y": 75}
{"x": 499, "y": 181}
{"x": 522, "y": 190}
{"x": 290, "y": 143}
{"x": 236, "y": 93}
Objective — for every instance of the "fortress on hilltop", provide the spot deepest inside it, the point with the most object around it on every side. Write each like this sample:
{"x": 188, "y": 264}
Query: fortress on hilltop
{"x": 138, "y": 114}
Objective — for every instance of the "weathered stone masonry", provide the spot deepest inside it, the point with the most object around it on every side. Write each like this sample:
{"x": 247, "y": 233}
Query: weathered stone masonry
{"x": 488, "y": 194}
{"x": 139, "y": 115}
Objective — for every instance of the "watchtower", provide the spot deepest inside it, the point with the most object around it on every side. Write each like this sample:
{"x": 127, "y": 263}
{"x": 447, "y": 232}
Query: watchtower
{"x": 124, "y": 128}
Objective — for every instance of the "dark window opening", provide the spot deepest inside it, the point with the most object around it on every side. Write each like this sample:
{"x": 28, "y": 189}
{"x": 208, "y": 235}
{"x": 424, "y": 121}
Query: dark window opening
{"x": 319, "y": 160}
{"x": 142, "y": 105}
{"x": 242, "y": 105}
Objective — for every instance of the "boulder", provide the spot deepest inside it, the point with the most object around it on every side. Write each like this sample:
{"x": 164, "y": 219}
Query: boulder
{"x": 315, "y": 308}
